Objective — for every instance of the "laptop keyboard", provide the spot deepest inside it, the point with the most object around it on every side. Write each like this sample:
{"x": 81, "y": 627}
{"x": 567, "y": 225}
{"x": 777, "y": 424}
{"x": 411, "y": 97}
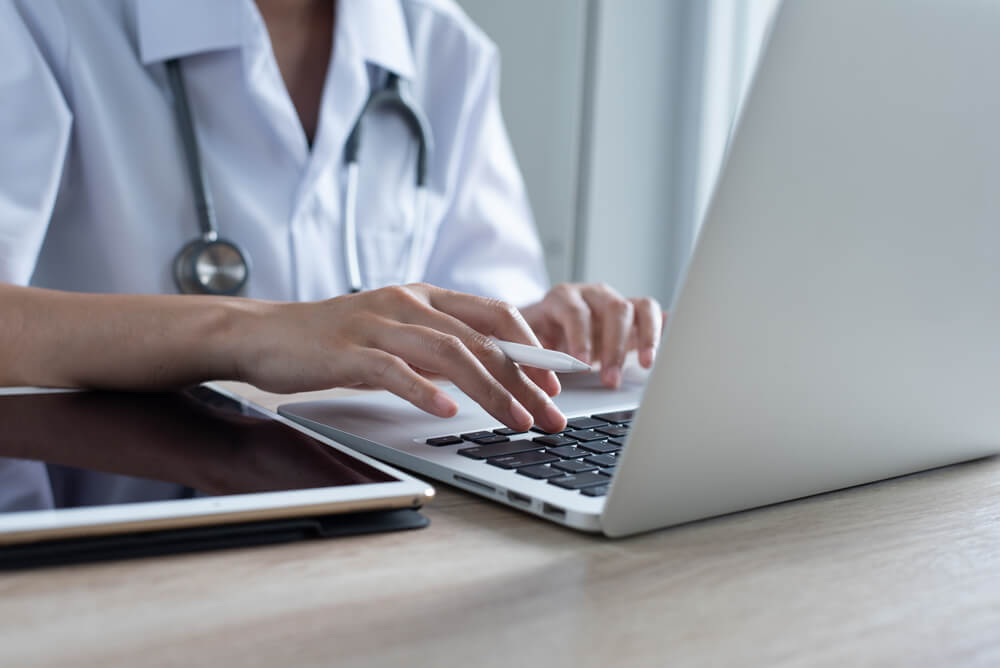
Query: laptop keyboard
{"x": 582, "y": 458}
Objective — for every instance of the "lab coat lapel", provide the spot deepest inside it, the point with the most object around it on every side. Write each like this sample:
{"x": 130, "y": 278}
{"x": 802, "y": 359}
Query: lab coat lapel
{"x": 267, "y": 87}
{"x": 345, "y": 91}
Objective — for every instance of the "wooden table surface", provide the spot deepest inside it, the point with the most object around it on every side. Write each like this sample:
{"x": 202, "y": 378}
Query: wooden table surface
{"x": 905, "y": 572}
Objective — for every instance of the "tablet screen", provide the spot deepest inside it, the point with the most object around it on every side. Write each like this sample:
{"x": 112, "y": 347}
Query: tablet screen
{"x": 76, "y": 449}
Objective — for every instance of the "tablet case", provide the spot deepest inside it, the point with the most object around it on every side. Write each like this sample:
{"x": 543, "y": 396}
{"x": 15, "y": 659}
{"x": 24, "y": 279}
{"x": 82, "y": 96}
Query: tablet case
{"x": 199, "y": 539}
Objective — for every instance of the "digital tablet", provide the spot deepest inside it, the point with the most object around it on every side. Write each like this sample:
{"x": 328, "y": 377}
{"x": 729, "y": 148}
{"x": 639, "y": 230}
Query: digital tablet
{"x": 87, "y": 463}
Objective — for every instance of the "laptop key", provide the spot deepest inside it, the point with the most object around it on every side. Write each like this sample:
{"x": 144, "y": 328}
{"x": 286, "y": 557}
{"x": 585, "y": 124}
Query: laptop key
{"x": 585, "y": 423}
{"x": 522, "y": 460}
{"x": 443, "y": 440}
{"x": 473, "y": 435}
{"x": 599, "y": 490}
{"x": 541, "y": 472}
{"x": 569, "y": 452}
{"x": 614, "y": 430}
{"x": 602, "y": 460}
{"x": 615, "y": 416}
{"x": 601, "y": 447}
{"x": 580, "y": 480}
{"x": 617, "y": 441}
{"x": 492, "y": 438}
{"x": 585, "y": 435}
{"x": 507, "y": 431}
{"x": 574, "y": 466}
{"x": 499, "y": 449}
{"x": 554, "y": 441}
{"x": 608, "y": 471}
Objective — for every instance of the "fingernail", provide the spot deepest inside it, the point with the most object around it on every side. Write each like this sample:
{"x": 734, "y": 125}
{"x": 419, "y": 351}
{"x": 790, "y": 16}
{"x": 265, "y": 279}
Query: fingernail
{"x": 612, "y": 376}
{"x": 520, "y": 415}
{"x": 554, "y": 416}
{"x": 443, "y": 405}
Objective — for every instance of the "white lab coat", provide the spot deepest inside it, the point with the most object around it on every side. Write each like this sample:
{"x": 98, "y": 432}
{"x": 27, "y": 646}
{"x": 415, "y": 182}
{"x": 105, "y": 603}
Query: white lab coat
{"x": 94, "y": 194}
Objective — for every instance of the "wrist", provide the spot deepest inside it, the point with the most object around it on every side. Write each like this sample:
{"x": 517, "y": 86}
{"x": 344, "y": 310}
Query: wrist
{"x": 234, "y": 339}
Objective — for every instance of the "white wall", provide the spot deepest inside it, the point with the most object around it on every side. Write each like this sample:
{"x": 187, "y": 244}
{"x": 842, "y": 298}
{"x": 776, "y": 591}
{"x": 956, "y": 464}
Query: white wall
{"x": 627, "y": 195}
{"x": 542, "y": 50}
{"x": 734, "y": 32}
{"x": 619, "y": 112}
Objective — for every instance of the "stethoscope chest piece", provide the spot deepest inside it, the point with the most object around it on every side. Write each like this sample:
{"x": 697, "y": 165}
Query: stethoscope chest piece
{"x": 207, "y": 265}
{"x": 211, "y": 266}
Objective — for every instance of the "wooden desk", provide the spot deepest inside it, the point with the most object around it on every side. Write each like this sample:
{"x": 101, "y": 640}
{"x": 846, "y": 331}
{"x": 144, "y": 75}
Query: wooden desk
{"x": 905, "y": 572}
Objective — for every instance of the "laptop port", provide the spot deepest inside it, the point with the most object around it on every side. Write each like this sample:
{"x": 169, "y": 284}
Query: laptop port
{"x": 462, "y": 480}
{"x": 554, "y": 511}
{"x": 519, "y": 499}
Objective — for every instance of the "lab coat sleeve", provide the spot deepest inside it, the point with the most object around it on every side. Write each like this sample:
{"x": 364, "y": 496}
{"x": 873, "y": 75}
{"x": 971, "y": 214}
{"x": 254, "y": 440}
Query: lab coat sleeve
{"x": 487, "y": 243}
{"x": 35, "y": 123}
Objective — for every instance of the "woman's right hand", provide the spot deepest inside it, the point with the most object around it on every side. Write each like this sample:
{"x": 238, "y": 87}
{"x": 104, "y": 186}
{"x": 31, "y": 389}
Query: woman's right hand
{"x": 392, "y": 339}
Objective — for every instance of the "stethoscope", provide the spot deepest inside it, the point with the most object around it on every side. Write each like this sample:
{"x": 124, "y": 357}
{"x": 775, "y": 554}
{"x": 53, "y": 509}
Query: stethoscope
{"x": 213, "y": 265}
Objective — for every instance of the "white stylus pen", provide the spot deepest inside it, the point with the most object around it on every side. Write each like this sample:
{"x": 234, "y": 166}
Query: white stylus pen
{"x": 540, "y": 358}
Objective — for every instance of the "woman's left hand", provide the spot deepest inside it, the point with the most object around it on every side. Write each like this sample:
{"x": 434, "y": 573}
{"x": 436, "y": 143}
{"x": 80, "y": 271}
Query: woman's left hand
{"x": 592, "y": 322}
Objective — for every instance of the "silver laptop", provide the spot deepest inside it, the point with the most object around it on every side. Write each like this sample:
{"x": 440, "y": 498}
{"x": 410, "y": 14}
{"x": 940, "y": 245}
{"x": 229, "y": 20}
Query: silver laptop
{"x": 840, "y": 318}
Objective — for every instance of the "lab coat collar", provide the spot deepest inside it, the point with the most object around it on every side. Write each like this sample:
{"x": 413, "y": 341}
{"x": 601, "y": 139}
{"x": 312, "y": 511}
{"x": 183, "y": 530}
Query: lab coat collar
{"x": 177, "y": 28}
{"x": 378, "y": 32}
{"x": 376, "y": 29}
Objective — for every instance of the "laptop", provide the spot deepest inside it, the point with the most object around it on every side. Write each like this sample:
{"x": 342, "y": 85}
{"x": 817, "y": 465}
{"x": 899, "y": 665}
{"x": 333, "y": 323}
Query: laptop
{"x": 839, "y": 321}
{"x": 91, "y": 475}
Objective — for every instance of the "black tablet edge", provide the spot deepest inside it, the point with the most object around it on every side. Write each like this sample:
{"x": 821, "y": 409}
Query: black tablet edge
{"x": 91, "y": 549}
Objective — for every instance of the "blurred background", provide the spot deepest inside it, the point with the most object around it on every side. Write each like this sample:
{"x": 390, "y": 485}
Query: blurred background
{"x": 619, "y": 112}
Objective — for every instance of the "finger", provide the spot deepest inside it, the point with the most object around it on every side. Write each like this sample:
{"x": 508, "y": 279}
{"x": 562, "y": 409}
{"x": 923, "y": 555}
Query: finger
{"x": 573, "y": 317}
{"x": 616, "y": 316}
{"x": 494, "y": 317}
{"x": 521, "y": 381}
{"x": 547, "y": 380}
{"x": 412, "y": 303}
{"x": 487, "y": 376}
{"x": 380, "y": 369}
{"x": 648, "y": 325}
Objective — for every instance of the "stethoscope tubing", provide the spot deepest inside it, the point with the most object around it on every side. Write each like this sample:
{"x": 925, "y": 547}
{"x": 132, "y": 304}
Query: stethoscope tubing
{"x": 351, "y": 228}
{"x": 204, "y": 204}
{"x": 391, "y": 96}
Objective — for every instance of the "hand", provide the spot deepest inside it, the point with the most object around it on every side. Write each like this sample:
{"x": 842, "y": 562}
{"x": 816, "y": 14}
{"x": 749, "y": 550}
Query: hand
{"x": 594, "y": 322}
{"x": 392, "y": 339}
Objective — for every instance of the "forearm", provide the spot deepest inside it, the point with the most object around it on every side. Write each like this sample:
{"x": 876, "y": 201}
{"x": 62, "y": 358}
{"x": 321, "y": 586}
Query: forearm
{"x": 64, "y": 339}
